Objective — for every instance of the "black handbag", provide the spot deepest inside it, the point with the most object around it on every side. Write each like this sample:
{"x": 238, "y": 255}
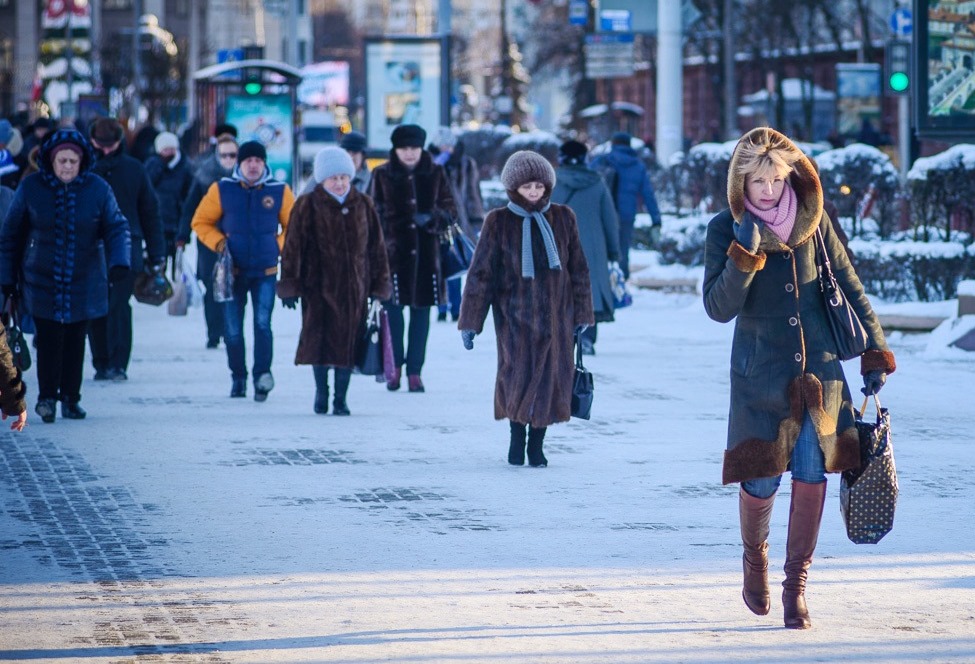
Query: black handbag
{"x": 19, "y": 348}
{"x": 868, "y": 494}
{"x": 369, "y": 348}
{"x": 456, "y": 252}
{"x": 152, "y": 287}
{"x": 848, "y": 332}
{"x": 581, "y": 386}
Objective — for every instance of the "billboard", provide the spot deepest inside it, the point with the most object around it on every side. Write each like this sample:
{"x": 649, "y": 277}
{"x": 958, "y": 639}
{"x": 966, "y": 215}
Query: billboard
{"x": 268, "y": 119}
{"x": 324, "y": 84}
{"x": 406, "y": 83}
{"x": 944, "y": 69}
{"x": 858, "y": 98}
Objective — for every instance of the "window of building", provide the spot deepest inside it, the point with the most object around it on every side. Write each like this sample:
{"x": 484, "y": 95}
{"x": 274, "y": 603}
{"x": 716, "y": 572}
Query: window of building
{"x": 116, "y": 4}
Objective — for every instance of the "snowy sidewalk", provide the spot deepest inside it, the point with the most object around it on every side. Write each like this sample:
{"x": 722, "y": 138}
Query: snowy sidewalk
{"x": 178, "y": 525}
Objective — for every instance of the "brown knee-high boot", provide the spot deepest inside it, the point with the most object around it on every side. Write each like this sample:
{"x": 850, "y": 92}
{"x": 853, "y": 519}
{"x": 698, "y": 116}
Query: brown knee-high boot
{"x": 755, "y": 515}
{"x": 805, "y": 515}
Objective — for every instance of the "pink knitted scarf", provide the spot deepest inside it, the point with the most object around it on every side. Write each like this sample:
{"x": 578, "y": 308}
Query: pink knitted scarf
{"x": 780, "y": 219}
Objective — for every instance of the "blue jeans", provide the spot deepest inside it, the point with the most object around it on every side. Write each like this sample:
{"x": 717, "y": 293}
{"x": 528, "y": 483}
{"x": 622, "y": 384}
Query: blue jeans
{"x": 807, "y": 465}
{"x": 453, "y": 299}
{"x": 261, "y": 290}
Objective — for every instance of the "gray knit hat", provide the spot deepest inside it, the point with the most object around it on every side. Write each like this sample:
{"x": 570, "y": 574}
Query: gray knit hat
{"x": 527, "y": 166}
{"x": 330, "y": 161}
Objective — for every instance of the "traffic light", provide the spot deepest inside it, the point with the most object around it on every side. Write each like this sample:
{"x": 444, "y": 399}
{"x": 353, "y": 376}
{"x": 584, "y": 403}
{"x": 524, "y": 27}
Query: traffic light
{"x": 253, "y": 82}
{"x": 898, "y": 67}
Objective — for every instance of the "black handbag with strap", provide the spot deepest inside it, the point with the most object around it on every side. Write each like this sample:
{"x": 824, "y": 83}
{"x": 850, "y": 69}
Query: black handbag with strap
{"x": 848, "y": 331}
{"x": 582, "y": 386}
{"x": 868, "y": 494}
{"x": 19, "y": 348}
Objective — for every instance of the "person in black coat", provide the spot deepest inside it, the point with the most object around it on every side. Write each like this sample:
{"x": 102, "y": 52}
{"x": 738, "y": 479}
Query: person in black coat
{"x": 171, "y": 177}
{"x": 111, "y": 336}
{"x": 64, "y": 283}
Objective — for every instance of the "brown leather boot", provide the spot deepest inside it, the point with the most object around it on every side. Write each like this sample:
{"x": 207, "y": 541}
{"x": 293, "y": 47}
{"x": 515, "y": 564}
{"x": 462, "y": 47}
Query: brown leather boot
{"x": 755, "y": 515}
{"x": 805, "y": 515}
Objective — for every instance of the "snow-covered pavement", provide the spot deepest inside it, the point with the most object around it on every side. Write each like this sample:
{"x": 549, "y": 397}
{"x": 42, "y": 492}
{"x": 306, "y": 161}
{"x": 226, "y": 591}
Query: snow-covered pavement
{"x": 177, "y": 524}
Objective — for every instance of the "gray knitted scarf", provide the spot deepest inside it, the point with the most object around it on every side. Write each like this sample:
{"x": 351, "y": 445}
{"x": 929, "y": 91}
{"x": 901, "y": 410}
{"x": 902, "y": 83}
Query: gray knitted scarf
{"x": 527, "y": 264}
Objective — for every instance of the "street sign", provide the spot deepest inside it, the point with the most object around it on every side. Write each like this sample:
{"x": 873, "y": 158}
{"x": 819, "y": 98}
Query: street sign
{"x": 902, "y": 22}
{"x": 616, "y": 20}
{"x": 609, "y": 55}
{"x": 578, "y": 12}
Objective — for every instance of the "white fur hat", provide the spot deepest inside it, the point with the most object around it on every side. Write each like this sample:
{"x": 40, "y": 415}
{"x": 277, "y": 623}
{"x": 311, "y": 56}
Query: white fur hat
{"x": 166, "y": 140}
{"x": 330, "y": 161}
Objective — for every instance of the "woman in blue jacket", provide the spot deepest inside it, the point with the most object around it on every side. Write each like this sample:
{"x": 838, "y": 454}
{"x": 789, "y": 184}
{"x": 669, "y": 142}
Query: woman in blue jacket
{"x": 62, "y": 222}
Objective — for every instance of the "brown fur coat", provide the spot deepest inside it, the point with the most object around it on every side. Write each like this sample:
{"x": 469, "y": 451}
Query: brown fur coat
{"x": 333, "y": 259}
{"x": 534, "y": 319}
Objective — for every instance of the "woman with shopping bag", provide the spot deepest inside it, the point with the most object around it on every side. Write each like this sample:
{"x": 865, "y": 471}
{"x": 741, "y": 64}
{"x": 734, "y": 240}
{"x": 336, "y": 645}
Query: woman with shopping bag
{"x": 791, "y": 407}
{"x": 334, "y": 259}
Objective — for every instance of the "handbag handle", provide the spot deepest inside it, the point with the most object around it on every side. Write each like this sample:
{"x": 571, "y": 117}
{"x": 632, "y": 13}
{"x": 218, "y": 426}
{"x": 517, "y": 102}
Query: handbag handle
{"x": 827, "y": 280}
{"x": 579, "y": 364}
{"x": 866, "y": 399}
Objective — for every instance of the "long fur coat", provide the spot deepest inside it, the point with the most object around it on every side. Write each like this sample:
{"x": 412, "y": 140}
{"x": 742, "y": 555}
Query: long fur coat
{"x": 783, "y": 358}
{"x": 414, "y": 252}
{"x": 534, "y": 319}
{"x": 333, "y": 259}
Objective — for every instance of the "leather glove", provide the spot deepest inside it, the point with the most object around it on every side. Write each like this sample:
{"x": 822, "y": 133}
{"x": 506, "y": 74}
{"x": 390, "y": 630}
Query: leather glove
{"x": 290, "y": 302}
{"x": 9, "y": 290}
{"x": 748, "y": 234}
{"x": 580, "y": 328}
{"x": 468, "y": 338}
{"x": 117, "y": 273}
{"x": 873, "y": 381}
{"x": 655, "y": 236}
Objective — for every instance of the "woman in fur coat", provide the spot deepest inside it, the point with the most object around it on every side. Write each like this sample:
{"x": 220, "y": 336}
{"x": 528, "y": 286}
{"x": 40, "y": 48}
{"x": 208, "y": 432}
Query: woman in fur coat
{"x": 334, "y": 258}
{"x": 529, "y": 268}
{"x": 790, "y": 404}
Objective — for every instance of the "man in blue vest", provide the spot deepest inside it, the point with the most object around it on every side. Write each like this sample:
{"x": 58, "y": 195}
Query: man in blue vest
{"x": 247, "y": 214}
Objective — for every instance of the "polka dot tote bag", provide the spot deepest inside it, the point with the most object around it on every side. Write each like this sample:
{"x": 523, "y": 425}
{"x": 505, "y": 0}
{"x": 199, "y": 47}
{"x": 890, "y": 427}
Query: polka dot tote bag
{"x": 868, "y": 494}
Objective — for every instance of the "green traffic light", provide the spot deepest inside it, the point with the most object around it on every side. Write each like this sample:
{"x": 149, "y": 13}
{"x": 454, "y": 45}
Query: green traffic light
{"x": 252, "y": 88}
{"x": 899, "y": 81}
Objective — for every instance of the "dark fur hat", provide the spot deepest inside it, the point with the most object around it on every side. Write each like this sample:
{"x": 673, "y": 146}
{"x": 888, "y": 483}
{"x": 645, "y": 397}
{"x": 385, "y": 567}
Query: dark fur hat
{"x": 353, "y": 141}
{"x": 408, "y": 136}
{"x": 106, "y": 131}
{"x": 527, "y": 166}
{"x": 573, "y": 152}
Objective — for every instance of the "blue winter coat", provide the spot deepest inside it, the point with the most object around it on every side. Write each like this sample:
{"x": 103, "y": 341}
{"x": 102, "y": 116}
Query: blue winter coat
{"x": 632, "y": 183}
{"x": 55, "y": 237}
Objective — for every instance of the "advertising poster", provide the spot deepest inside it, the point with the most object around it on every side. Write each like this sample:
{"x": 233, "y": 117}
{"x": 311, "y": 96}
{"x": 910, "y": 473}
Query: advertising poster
{"x": 858, "y": 97}
{"x": 324, "y": 84}
{"x": 404, "y": 85}
{"x": 945, "y": 68}
{"x": 268, "y": 119}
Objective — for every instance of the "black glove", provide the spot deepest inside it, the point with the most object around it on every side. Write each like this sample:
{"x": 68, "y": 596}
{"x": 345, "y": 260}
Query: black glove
{"x": 468, "y": 337}
{"x": 117, "y": 273}
{"x": 290, "y": 302}
{"x": 9, "y": 290}
{"x": 748, "y": 234}
{"x": 421, "y": 219}
{"x": 580, "y": 328}
{"x": 613, "y": 257}
{"x": 873, "y": 381}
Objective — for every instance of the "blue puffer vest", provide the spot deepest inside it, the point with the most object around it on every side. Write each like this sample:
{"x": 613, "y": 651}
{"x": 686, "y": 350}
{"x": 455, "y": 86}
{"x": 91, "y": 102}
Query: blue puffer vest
{"x": 250, "y": 222}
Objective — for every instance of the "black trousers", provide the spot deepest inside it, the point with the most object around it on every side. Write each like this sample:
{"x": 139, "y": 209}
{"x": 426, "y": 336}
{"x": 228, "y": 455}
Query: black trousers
{"x": 60, "y": 359}
{"x": 416, "y": 352}
{"x": 111, "y": 336}
{"x": 212, "y": 310}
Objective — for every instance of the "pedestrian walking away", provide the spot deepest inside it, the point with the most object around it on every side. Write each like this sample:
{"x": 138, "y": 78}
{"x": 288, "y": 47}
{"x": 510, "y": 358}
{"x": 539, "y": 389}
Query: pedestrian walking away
{"x": 414, "y": 202}
{"x": 62, "y": 240}
{"x": 628, "y": 181}
{"x": 247, "y": 213}
{"x": 334, "y": 258}
{"x": 791, "y": 407}
{"x": 583, "y": 190}
{"x": 529, "y": 268}
{"x": 110, "y": 337}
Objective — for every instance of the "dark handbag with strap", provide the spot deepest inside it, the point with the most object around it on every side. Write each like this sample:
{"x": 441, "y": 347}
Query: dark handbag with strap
{"x": 582, "y": 386}
{"x": 456, "y": 252}
{"x": 369, "y": 349}
{"x": 868, "y": 494}
{"x": 19, "y": 348}
{"x": 848, "y": 331}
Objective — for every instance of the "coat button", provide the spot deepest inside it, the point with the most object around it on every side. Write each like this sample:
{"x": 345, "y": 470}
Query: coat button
{"x": 413, "y": 252}
{"x": 793, "y": 321}
{"x": 798, "y": 357}
{"x": 345, "y": 210}
{"x": 789, "y": 288}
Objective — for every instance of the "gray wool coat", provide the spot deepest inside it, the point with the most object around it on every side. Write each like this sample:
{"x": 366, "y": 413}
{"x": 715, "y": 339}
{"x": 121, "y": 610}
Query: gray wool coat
{"x": 783, "y": 357}
{"x": 584, "y": 191}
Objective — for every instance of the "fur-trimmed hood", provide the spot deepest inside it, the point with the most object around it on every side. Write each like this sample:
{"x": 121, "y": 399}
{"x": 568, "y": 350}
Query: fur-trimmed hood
{"x": 804, "y": 180}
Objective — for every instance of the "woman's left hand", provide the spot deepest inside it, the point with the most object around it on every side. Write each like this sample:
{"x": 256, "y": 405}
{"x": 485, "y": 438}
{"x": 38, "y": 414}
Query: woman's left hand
{"x": 19, "y": 423}
{"x": 873, "y": 381}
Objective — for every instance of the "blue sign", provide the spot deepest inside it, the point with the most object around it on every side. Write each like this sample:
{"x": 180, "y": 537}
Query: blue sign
{"x": 615, "y": 20}
{"x": 902, "y": 22}
{"x": 230, "y": 55}
{"x": 578, "y": 12}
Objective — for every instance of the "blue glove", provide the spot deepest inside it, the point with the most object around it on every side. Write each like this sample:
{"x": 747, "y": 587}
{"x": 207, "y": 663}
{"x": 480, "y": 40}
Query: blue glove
{"x": 748, "y": 234}
{"x": 289, "y": 302}
{"x": 468, "y": 337}
{"x": 873, "y": 381}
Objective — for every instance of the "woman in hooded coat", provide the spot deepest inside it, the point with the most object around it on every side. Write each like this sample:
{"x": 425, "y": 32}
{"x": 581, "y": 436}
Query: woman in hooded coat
{"x": 530, "y": 269}
{"x": 790, "y": 404}
{"x": 584, "y": 190}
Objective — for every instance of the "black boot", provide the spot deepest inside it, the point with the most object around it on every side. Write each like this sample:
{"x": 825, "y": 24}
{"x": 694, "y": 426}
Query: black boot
{"x": 516, "y": 450}
{"x": 70, "y": 410}
{"x": 47, "y": 409}
{"x": 321, "y": 388}
{"x": 536, "y": 435}
{"x": 342, "y": 378}
{"x": 238, "y": 388}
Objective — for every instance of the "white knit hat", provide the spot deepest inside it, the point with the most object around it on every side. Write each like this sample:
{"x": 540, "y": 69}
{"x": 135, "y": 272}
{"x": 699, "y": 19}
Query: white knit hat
{"x": 330, "y": 161}
{"x": 166, "y": 140}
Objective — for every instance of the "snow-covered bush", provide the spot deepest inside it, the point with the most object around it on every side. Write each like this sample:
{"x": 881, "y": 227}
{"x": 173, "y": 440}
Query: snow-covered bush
{"x": 702, "y": 177}
{"x": 482, "y": 144}
{"x": 940, "y": 188}
{"x": 907, "y": 270}
{"x": 861, "y": 181}
{"x": 543, "y": 142}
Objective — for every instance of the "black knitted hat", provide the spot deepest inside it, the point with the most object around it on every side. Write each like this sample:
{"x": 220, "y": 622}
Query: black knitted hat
{"x": 251, "y": 149}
